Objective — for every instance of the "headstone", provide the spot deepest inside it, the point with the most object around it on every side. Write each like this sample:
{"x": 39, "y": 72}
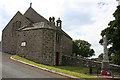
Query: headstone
{"x": 105, "y": 62}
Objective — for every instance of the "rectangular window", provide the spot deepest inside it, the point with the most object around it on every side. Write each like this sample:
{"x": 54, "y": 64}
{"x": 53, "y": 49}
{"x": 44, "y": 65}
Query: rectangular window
{"x": 23, "y": 44}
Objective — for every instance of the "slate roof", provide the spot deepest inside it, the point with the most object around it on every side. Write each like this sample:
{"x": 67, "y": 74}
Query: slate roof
{"x": 33, "y": 16}
{"x": 38, "y": 25}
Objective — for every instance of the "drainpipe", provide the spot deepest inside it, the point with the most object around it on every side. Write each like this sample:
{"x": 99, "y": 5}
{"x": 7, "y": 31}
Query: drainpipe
{"x": 55, "y": 48}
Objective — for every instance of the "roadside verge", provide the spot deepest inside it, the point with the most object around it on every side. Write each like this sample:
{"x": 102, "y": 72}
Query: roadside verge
{"x": 48, "y": 70}
{"x": 76, "y": 73}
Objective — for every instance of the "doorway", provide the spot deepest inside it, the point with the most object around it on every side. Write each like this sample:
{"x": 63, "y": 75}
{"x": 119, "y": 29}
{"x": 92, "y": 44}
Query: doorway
{"x": 57, "y": 59}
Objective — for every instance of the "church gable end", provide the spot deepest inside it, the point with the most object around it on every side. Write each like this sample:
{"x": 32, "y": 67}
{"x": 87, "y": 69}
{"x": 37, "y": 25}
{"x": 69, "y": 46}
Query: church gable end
{"x": 17, "y": 21}
{"x": 9, "y": 33}
{"x": 33, "y": 16}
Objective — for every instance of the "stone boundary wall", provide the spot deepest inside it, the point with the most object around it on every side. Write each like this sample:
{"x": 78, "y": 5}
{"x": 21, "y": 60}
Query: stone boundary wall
{"x": 77, "y": 61}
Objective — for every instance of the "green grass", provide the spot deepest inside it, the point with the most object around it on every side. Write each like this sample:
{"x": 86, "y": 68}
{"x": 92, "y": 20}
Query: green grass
{"x": 79, "y": 72}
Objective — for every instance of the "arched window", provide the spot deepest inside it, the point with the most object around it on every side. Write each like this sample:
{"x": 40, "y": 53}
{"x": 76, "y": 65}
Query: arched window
{"x": 16, "y": 25}
{"x": 58, "y": 38}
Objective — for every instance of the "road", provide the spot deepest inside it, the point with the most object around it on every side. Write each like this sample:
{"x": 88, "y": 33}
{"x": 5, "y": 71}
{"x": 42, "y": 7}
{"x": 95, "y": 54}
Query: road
{"x": 13, "y": 69}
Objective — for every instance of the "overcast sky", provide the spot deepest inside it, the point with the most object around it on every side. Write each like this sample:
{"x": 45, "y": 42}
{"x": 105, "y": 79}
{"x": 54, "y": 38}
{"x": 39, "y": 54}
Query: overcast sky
{"x": 82, "y": 19}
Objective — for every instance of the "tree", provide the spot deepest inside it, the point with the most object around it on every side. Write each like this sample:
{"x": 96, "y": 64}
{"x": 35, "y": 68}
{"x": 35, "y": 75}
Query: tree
{"x": 81, "y": 47}
{"x": 113, "y": 36}
{"x": 100, "y": 56}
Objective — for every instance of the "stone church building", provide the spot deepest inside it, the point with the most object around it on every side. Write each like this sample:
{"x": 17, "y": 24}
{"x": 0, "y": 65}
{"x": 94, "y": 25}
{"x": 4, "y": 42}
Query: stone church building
{"x": 33, "y": 37}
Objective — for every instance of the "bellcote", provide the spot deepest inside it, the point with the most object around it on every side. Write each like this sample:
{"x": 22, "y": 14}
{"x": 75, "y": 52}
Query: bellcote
{"x": 58, "y": 22}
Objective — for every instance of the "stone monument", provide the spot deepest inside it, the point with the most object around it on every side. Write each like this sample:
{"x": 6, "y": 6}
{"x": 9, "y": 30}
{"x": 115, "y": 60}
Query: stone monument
{"x": 105, "y": 62}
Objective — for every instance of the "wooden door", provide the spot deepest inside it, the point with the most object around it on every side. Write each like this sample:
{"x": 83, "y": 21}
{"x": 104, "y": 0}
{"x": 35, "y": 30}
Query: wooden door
{"x": 57, "y": 59}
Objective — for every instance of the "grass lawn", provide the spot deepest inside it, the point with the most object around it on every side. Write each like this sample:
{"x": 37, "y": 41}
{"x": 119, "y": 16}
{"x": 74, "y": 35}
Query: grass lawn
{"x": 80, "y": 72}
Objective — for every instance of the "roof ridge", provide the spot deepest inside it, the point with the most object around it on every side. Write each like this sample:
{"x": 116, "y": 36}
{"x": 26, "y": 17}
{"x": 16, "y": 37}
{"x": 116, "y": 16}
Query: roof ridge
{"x": 18, "y": 12}
{"x": 30, "y": 8}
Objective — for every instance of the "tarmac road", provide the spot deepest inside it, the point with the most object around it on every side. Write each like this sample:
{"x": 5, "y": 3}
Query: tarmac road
{"x": 13, "y": 69}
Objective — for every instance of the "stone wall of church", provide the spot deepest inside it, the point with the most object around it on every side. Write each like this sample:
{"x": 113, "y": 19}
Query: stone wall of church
{"x": 29, "y": 45}
{"x": 48, "y": 46}
{"x": 63, "y": 45}
{"x": 39, "y": 45}
{"x": 66, "y": 45}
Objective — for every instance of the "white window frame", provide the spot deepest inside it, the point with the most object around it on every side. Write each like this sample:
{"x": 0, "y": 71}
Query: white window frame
{"x": 23, "y": 43}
